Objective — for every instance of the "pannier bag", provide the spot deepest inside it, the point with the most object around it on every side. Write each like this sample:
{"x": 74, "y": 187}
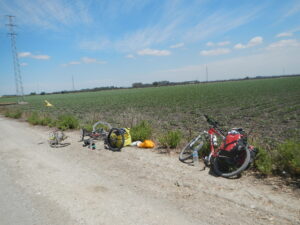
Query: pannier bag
{"x": 234, "y": 141}
{"x": 127, "y": 137}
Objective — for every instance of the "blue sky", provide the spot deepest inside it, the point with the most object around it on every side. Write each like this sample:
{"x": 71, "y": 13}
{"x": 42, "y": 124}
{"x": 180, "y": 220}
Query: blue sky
{"x": 119, "y": 42}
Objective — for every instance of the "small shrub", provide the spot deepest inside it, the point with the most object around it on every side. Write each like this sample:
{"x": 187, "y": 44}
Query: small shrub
{"x": 45, "y": 121}
{"x": 88, "y": 127}
{"x": 17, "y": 114}
{"x": 141, "y": 132}
{"x": 52, "y": 123}
{"x": 171, "y": 139}
{"x": 67, "y": 122}
{"x": 7, "y": 114}
{"x": 288, "y": 157}
{"x": 13, "y": 114}
{"x": 34, "y": 118}
{"x": 264, "y": 161}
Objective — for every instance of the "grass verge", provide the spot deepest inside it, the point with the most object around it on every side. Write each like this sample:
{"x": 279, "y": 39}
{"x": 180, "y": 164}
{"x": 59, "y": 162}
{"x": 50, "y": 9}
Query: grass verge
{"x": 171, "y": 139}
{"x": 141, "y": 131}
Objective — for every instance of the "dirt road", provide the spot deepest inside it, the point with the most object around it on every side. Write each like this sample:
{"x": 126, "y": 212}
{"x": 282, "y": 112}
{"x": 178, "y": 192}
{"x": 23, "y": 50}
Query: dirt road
{"x": 74, "y": 185}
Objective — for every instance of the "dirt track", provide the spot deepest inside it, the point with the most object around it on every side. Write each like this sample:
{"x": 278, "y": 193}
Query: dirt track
{"x": 74, "y": 185}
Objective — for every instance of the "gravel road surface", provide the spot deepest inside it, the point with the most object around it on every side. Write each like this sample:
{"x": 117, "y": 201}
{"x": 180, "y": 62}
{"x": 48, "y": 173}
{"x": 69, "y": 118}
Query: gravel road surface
{"x": 75, "y": 185}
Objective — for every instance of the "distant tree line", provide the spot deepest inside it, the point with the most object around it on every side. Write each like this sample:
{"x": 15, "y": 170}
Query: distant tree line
{"x": 154, "y": 84}
{"x": 168, "y": 83}
{"x": 163, "y": 83}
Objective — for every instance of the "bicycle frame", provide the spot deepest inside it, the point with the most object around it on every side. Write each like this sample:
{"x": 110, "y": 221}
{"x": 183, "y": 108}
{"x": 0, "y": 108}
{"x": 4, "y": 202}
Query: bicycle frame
{"x": 214, "y": 133}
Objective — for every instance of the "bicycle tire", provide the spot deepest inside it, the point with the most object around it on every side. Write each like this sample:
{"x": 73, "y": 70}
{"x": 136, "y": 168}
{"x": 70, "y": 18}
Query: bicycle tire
{"x": 223, "y": 168}
{"x": 187, "y": 152}
{"x": 106, "y": 126}
{"x": 82, "y": 134}
{"x": 115, "y": 139}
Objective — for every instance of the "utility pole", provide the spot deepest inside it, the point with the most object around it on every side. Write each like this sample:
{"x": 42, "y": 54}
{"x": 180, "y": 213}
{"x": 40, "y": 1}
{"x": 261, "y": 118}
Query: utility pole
{"x": 18, "y": 77}
{"x": 73, "y": 85}
{"x": 206, "y": 73}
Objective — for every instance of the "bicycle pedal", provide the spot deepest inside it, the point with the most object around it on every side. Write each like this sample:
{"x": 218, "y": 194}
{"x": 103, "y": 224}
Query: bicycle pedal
{"x": 206, "y": 161}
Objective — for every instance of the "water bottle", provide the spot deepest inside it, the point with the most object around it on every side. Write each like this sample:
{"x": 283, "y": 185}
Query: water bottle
{"x": 215, "y": 140}
{"x": 196, "y": 157}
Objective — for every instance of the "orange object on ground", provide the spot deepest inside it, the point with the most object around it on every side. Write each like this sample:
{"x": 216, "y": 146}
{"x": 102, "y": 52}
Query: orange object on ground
{"x": 146, "y": 144}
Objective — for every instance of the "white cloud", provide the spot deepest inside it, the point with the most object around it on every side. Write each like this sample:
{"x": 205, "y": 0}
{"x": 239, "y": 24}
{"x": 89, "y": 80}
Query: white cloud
{"x": 23, "y": 64}
{"x": 223, "y": 43}
{"x": 144, "y": 38}
{"x": 170, "y": 23}
{"x": 43, "y": 57}
{"x": 71, "y": 63}
{"x": 154, "y": 52}
{"x": 47, "y": 14}
{"x": 134, "y": 40}
{"x": 267, "y": 63}
{"x": 85, "y": 60}
{"x": 284, "y": 44}
{"x": 111, "y": 9}
{"x": 178, "y": 45}
{"x": 284, "y": 34}
{"x": 240, "y": 46}
{"x": 24, "y": 54}
{"x": 95, "y": 44}
{"x": 74, "y": 63}
{"x": 219, "y": 51}
{"x": 130, "y": 56}
{"x": 253, "y": 42}
{"x": 88, "y": 60}
{"x": 210, "y": 44}
{"x": 30, "y": 55}
{"x": 221, "y": 22}
{"x": 293, "y": 8}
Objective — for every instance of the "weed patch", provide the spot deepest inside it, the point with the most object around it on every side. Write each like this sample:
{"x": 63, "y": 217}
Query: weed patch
{"x": 34, "y": 119}
{"x": 264, "y": 161}
{"x": 13, "y": 114}
{"x": 141, "y": 131}
{"x": 171, "y": 139}
{"x": 288, "y": 157}
{"x": 65, "y": 122}
{"x": 46, "y": 121}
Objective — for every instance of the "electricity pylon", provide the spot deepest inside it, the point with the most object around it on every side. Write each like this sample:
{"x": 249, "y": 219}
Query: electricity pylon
{"x": 18, "y": 77}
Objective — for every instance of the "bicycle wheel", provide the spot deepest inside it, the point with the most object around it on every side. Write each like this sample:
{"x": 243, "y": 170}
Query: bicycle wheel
{"x": 187, "y": 152}
{"x": 115, "y": 139}
{"x": 228, "y": 164}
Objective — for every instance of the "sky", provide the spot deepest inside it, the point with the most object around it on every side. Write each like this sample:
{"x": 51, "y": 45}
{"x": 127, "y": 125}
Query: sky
{"x": 100, "y": 43}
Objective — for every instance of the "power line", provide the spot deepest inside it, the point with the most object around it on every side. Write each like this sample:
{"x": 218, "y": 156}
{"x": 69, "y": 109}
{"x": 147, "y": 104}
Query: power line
{"x": 18, "y": 77}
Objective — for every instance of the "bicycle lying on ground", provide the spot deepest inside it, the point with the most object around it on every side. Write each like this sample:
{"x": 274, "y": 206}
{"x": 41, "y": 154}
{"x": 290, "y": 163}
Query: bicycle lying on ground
{"x": 228, "y": 154}
{"x": 56, "y": 139}
{"x": 113, "y": 137}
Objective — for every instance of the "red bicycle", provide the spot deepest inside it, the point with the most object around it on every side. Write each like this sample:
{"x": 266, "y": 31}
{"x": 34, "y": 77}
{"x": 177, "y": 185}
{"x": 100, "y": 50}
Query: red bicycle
{"x": 229, "y": 154}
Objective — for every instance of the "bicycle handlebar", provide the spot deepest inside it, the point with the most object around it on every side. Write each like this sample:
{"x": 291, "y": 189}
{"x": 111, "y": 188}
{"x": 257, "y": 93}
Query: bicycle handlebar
{"x": 211, "y": 121}
{"x": 214, "y": 123}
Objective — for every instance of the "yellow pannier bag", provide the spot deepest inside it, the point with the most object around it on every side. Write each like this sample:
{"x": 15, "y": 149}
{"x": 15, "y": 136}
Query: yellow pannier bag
{"x": 127, "y": 138}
